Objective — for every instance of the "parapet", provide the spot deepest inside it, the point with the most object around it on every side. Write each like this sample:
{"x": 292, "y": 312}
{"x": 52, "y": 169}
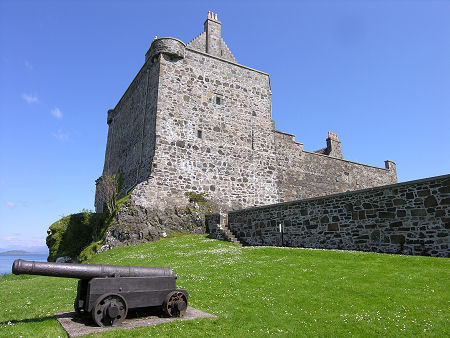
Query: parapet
{"x": 166, "y": 45}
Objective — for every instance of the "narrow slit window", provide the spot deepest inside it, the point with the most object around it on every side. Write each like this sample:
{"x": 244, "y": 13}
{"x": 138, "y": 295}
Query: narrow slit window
{"x": 253, "y": 142}
{"x": 218, "y": 100}
{"x": 199, "y": 133}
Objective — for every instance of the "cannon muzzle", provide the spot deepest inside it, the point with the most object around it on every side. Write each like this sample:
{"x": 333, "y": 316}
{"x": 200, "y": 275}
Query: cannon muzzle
{"x": 87, "y": 271}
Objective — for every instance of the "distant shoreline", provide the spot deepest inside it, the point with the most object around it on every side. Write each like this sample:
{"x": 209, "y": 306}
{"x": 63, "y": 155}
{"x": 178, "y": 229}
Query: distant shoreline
{"x": 21, "y": 252}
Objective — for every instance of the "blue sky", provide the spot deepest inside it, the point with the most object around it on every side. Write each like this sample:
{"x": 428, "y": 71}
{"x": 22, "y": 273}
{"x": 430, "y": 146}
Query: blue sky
{"x": 377, "y": 73}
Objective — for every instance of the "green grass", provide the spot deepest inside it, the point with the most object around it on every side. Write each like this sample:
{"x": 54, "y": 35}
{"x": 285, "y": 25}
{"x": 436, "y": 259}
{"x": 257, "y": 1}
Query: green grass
{"x": 71, "y": 234}
{"x": 260, "y": 291}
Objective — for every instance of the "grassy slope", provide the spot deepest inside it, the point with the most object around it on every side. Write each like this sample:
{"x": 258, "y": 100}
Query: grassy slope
{"x": 260, "y": 290}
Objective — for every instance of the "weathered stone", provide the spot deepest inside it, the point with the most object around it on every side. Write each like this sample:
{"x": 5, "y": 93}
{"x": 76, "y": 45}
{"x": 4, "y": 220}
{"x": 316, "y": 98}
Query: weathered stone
{"x": 430, "y": 201}
{"x": 401, "y": 213}
{"x": 385, "y": 214}
{"x": 65, "y": 259}
{"x": 418, "y": 212}
{"x": 375, "y": 236}
{"x": 397, "y": 230}
{"x": 445, "y": 201}
{"x": 423, "y": 193}
{"x": 398, "y": 201}
{"x": 193, "y": 112}
{"x": 333, "y": 227}
{"x": 397, "y": 239}
{"x": 134, "y": 224}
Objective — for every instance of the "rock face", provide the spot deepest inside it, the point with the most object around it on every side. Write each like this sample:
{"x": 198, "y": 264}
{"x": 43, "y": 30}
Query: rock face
{"x": 65, "y": 259}
{"x": 134, "y": 224}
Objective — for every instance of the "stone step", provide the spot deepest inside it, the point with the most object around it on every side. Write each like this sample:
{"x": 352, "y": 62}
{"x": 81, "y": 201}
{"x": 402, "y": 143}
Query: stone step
{"x": 230, "y": 236}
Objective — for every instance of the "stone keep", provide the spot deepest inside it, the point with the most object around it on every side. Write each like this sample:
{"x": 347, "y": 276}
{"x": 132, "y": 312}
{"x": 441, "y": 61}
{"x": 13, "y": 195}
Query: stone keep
{"x": 194, "y": 120}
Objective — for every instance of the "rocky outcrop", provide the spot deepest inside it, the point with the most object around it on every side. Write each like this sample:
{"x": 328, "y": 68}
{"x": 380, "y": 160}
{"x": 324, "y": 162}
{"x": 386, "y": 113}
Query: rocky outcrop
{"x": 134, "y": 224}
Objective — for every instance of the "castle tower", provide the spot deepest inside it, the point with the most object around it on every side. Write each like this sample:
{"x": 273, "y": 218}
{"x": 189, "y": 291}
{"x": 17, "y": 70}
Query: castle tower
{"x": 194, "y": 120}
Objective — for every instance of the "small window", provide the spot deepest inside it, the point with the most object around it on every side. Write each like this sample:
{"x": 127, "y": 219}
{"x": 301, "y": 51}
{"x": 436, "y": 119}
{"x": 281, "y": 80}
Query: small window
{"x": 218, "y": 100}
{"x": 199, "y": 133}
{"x": 253, "y": 141}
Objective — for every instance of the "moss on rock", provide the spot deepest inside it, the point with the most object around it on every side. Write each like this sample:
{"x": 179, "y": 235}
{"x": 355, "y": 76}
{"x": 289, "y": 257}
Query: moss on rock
{"x": 71, "y": 234}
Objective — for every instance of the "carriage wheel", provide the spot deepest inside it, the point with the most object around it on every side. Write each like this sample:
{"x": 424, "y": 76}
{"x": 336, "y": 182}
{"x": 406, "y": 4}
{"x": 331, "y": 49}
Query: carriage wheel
{"x": 109, "y": 310}
{"x": 175, "y": 304}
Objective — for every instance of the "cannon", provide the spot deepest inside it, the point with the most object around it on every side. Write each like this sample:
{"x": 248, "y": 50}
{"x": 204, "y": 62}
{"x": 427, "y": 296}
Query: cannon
{"x": 107, "y": 292}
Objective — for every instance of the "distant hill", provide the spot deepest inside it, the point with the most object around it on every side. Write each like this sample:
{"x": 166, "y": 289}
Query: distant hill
{"x": 15, "y": 252}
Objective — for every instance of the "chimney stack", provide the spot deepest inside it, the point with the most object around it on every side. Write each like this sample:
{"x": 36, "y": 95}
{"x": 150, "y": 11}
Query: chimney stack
{"x": 334, "y": 148}
{"x": 213, "y": 34}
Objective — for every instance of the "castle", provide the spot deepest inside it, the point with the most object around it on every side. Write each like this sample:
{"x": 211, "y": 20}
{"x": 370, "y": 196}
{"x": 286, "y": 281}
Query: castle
{"x": 195, "y": 120}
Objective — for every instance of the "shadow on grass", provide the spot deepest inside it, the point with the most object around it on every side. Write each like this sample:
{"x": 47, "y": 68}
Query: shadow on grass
{"x": 27, "y": 320}
{"x": 87, "y": 320}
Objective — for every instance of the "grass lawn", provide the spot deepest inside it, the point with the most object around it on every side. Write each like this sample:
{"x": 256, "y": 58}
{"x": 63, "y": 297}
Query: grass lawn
{"x": 260, "y": 291}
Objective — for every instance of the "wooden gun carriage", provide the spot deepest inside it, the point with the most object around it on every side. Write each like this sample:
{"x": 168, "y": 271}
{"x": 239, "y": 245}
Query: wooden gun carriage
{"x": 107, "y": 292}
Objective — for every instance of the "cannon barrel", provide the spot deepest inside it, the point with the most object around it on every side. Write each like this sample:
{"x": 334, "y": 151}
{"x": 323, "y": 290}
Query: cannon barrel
{"x": 86, "y": 271}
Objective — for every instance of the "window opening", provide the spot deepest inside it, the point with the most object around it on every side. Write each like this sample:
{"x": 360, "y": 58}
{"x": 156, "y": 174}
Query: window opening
{"x": 253, "y": 143}
{"x": 218, "y": 100}
{"x": 199, "y": 133}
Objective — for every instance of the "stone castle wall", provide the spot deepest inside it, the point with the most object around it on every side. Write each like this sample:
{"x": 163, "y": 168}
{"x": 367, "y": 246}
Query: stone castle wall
{"x": 195, "y": 120}
{"x": 407, "y": 218}
{"x": 214, "y": 133}
{"x": 131, "y": 134}
{"x": 303, "y": 174}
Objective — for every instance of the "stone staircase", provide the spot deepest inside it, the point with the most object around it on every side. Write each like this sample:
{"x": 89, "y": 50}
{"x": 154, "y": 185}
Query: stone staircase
{"x": 217, "y": 227}
{"x": 228, "y": 235}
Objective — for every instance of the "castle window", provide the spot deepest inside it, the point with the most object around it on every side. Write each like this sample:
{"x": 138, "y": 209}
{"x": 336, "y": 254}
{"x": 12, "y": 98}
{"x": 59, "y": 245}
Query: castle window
{"x": 199, "y": 133}
{"x": 253, "y": 141}
{"x": 218, "y": 100}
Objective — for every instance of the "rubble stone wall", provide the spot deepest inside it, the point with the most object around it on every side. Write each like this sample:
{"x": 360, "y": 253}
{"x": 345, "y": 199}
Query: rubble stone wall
{"x": 302, "y": 174}
{"x": 214, "y": 133}
{"x": 131, "y": 134}
{"x": 193, "y": 120}
{"x": 407, "y": 218}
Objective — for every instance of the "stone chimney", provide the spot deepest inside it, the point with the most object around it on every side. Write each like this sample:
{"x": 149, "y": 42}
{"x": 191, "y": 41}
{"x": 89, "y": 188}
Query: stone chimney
{"x": 213, "y": 35}
{"x": 334, "y": 146}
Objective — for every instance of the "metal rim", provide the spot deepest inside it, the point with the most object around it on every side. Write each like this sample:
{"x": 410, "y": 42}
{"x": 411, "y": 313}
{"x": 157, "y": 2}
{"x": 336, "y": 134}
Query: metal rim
{"x": 175, "y": 304}
{"x": 109, "y": 310}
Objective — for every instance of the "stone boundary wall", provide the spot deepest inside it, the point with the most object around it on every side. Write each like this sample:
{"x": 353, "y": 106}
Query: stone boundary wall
{"x": 406, "y": 218}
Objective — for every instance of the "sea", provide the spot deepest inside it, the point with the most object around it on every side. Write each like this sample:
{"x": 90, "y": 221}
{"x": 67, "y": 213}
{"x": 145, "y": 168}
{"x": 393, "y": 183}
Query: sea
{"x": 6, "y": 261}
